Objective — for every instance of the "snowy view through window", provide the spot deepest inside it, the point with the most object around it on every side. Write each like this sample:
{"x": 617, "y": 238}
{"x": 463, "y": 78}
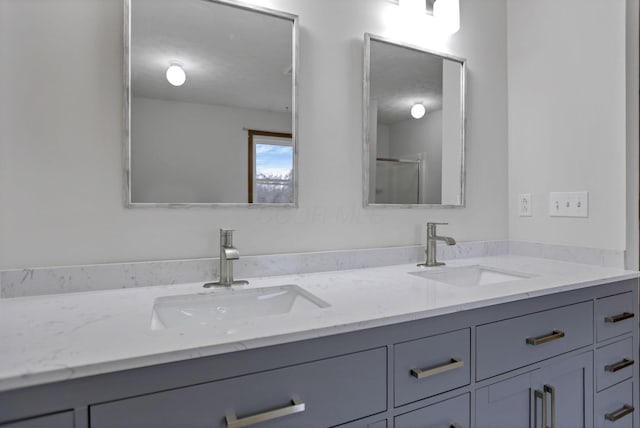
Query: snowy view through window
{"x": 273, "y": 174}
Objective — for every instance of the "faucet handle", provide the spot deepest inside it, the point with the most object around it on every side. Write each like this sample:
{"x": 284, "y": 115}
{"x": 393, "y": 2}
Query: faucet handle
{"x": 437, "y": 223}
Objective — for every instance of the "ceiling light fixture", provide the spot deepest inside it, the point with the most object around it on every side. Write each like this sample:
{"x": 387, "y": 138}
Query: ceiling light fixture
{"x": 418, "y": 111}
{"x": 176, "y": 75}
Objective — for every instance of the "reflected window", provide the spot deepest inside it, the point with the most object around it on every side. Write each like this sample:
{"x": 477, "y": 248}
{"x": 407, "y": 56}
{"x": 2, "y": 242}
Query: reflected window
{"x": 271, "y": 166}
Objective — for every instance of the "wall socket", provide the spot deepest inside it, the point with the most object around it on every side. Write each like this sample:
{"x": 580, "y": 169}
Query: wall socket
{"x": 569, "y": 204}
{"x": 524, "y": 205}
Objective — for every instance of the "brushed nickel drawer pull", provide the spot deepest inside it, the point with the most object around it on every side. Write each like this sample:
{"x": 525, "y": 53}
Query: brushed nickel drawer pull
{"x": 454, "y": 363}
{"x": 555, "y": 335}
{"x": 296, "y": 406}
{"x": 620, "y": 413}
{"x": 619, "y": 366}
{"x": 617, "y": 318}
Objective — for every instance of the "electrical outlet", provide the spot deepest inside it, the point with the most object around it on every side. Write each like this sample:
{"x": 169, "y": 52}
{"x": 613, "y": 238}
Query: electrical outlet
{"x": 569, "y": 204}
{"x": 524, "y": 205}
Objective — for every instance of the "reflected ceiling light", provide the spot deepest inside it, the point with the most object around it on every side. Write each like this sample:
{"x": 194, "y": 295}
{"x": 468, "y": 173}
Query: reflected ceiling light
{"x": 418, "y": 111}
{"x": 176, "y": 75}
{"x": 447, "y": 15}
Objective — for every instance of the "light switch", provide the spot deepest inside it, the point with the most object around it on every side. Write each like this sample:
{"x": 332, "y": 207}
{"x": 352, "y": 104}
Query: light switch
{"x": 569, "y": 204}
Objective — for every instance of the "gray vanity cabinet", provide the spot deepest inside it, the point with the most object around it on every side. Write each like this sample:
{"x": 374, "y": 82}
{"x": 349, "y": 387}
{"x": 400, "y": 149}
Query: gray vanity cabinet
{"x": 572, "y": 353}
{"x": 59, "y": 420}
{"x": 453, "y": 412}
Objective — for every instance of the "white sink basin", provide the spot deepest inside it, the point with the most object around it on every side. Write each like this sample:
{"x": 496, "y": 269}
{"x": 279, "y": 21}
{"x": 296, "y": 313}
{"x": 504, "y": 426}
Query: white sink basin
{"x": 467, "y": 276}
{"x": 231, "y": 305}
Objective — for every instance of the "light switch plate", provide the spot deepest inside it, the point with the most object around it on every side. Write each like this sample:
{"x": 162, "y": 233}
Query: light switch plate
{"x": 569, "y": 204}
{"x": 524, "y": 205}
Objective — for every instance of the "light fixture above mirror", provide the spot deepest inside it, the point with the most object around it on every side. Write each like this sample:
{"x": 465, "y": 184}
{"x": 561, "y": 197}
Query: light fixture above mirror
{"x": 446, "y": 13}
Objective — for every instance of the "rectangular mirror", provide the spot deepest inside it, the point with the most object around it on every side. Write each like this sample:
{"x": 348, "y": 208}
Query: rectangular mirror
{"x": 210, "y": 104}
{"x": 414, "y": 116}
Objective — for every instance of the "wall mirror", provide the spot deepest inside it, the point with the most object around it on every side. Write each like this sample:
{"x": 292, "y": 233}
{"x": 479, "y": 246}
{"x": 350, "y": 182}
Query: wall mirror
{"x": 414, "y": 116}
{"x": 210, "y": 104}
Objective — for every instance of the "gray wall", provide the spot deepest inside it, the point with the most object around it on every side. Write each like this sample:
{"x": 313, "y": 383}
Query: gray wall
{"x": 61, "y": 125}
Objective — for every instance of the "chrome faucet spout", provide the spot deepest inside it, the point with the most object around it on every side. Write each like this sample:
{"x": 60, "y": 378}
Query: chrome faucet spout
{"x": 430, "y": 251}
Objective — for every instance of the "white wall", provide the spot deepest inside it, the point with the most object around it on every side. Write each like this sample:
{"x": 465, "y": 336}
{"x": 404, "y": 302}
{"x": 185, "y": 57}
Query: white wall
{"x": 633, "y": 115}
{"x": 187, "y": 152}
{"x": 61, "y": 183}
{"x": 567, "y": 128}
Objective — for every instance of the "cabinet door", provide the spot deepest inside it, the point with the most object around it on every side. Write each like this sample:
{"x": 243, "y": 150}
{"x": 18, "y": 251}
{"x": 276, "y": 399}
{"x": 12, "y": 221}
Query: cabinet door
{"x": 567, "y": 388}
{"x": 506, "y": 404}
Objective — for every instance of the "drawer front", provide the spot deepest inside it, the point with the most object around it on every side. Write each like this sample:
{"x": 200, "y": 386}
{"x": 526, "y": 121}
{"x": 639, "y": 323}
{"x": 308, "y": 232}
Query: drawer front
{"x": 614, "y": 316}
{"x": 614, "y": 363}
{"x": 334, "y": 391}
{"x": 517, "y": 342}
{"x": 451, "y": 413}
{"x": 615, "y": 403}
{"x": 432, "y": 365}
{"x": 59, "y": 420}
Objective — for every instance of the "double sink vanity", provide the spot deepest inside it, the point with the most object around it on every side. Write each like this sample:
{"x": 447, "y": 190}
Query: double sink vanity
{"x": 502, "y": 341}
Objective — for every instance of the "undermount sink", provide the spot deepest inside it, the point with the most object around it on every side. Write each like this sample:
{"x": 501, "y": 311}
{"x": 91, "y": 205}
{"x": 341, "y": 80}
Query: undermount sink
{"x": 231, "y": 304}
{"x": 467, "y": 276}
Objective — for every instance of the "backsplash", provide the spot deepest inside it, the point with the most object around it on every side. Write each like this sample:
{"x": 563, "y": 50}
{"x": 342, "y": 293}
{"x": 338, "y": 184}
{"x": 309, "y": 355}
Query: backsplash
{"x": 70, "y": 279}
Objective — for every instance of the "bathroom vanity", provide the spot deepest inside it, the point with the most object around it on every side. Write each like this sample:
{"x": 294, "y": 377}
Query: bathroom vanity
{"x": 559, "y": 345}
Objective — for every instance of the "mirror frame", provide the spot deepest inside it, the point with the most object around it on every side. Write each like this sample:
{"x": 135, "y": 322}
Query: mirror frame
{"x": 366, "y": 95}
{"x": 128, "y": 203}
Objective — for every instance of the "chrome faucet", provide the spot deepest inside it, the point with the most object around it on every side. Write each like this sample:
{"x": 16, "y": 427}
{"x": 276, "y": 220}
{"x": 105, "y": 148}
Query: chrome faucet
{"x": 228, "y": 253}
{"x": 432, "y": 237}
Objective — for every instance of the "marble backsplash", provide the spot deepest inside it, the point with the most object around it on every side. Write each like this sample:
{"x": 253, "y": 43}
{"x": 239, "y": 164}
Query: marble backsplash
{"x": 69, "y": 279}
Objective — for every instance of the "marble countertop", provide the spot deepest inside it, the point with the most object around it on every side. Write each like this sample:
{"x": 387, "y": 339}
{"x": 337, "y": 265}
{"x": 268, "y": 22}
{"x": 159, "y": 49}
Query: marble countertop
{"x": 58, "y": 337}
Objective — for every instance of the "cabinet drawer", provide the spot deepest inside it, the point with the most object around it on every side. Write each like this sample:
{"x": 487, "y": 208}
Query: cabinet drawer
{"x": 615, "y": 403}
{"x": 59, "y": 420}
{"x": 517, "y": 342}
{"x": 334, "y": 391}
{"x": 432, "y": 365}
{"x": 614, "y": 363}
{"x": 615, "y": 315}
{"x": 451, "y": 413}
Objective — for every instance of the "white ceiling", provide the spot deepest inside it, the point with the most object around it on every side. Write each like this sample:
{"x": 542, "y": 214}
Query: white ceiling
{"x": 402, "y": 77}
{"x": 232, "y": 56}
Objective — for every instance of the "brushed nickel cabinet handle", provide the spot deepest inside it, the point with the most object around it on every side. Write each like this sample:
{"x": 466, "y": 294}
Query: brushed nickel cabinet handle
{"x": 621, "y": 317}
{"x": 620, "y": 413}
{"x": 619, "y": 366}
{"x": 537, "y": 394}
{"x": 555, "y": 335}
{"x": 296, "y": 406}
{"x": 454, "y": 363}
{"x": 552, "y": 393}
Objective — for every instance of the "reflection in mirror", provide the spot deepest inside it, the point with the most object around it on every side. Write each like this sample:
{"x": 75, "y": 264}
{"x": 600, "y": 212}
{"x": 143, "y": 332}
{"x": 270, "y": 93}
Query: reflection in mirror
{"x": 210, "y": 104}
{"x": 414, "y": 125}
